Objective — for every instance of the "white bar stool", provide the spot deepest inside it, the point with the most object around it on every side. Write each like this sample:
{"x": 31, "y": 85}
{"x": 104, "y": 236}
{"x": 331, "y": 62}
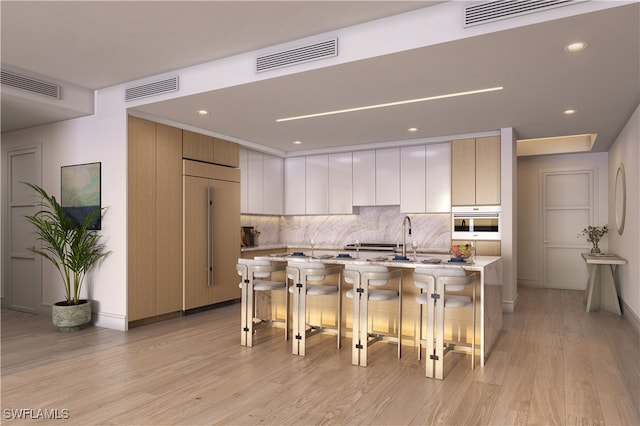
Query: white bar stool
{"x": 306, "y": 277}
{"x": 362, "y": 278}
{"x": 435, "y": 286}
{"x": 256, "y": 276}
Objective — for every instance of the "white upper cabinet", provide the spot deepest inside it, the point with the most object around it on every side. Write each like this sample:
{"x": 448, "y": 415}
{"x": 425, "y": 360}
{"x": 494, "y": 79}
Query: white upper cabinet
{"x": 255, "y": 182}
{"x": 388, "y": 177}
{"x": 438, "y": 178}
{"x": 376, "y": 177}
{"x": 340, "y": 183}
{"x": 417, "y": 178}
{"x": 413, "y": 179}
{"x": 425, "y": 179}
{"x": 244, "y": 170}
{"x": 261, "y": 183}
{"x": 273, "y": 185}
{"x": 294, "y": 186}
{"x": 364, "y": 178}
{"x": 317, "y": 184}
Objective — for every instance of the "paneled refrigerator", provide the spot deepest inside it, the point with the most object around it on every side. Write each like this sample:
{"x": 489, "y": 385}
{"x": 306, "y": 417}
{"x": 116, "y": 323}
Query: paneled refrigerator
{"x": 211, "y": 211}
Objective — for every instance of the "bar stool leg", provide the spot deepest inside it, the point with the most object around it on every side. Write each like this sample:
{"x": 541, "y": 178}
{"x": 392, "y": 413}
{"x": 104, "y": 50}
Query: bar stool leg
{"x": 364, "y": 324}
{"x": 439, "y": 352}
{"x": 357, "y": 343}
{"x": 339, "y": 316}
{"x": 286, "y": 309}
{"x": 296, "y": 316}
{"x": 419, "y": 334}
{"x": 302, "y": 320}
{"x": 245, "y": 326}
{"x": 473, "y": 342}
{"x": 400, "y": 317}
{"x": 430, "y": 316}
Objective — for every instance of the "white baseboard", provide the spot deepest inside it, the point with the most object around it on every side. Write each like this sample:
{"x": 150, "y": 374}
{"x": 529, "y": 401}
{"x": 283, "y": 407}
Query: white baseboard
{"x": 509, "y": 306}
{"x": 630, "y": 317}
{"x": 107, "y": 320}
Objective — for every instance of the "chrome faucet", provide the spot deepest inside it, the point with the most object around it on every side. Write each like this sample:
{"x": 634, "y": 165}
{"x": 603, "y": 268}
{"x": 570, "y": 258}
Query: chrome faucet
{"x": 404, "y": 234}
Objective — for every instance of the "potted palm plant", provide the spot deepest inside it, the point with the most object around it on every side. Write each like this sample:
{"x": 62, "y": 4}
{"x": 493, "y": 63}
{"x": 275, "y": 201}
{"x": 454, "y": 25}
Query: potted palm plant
{"x": 73, "y": 249}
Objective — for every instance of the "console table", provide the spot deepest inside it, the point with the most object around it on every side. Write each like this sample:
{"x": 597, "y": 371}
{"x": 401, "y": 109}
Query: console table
{"x": 601, "y": 288}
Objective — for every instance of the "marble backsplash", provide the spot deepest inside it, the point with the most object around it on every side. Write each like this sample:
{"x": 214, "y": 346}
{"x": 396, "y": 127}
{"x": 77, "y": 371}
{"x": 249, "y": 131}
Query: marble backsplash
{"x": 370, "y": 225}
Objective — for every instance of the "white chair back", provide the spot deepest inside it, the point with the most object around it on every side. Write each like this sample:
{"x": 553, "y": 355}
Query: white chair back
{"x": 366, "y": 268}
{"x": 253, "y": 262}
{"x": 306, "y": 265}
{"x": 438, "y": 273}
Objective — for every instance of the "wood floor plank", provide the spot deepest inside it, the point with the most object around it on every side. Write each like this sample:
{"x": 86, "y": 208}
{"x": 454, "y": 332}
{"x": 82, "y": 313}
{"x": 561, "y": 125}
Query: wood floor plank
{"x": 553, "y": 364}
{"x": 547, "y": 400}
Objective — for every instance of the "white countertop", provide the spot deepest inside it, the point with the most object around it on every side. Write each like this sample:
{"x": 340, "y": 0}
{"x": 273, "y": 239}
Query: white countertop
{"x": 386, "y": 259}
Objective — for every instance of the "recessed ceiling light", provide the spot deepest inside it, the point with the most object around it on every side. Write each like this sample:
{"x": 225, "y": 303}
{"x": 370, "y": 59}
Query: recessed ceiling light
{"x": 576, "y": 47}
{"x": 203, "y": 112}
{"x": 297, "y": 142}
{"x": 412, "y": 129}
{"x": 569, "y": 111}
{"x": 389, "y": 104}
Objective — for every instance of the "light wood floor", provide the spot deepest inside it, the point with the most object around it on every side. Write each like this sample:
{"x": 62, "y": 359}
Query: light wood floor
{"x": 553, "y": 364}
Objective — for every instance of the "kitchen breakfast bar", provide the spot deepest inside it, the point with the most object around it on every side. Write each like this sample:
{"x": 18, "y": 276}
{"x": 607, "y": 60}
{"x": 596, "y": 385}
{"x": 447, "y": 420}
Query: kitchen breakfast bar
{"x": 480, "y": 330}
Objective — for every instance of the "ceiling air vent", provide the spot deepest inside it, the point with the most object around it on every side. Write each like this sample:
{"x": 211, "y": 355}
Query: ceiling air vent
{"x": 503, "y": 9}
{"x": 151, "y": 89}
{"x": 299, "y": 55}
{"x": 29, "y": 84}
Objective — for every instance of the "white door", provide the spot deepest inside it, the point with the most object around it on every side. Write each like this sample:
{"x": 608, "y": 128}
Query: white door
{"x": 22, "y": 280}
{"x": 567, "y": 207}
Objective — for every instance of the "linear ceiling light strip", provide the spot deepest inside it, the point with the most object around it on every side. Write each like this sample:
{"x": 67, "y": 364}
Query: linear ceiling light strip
{"x": 389, "y": 104}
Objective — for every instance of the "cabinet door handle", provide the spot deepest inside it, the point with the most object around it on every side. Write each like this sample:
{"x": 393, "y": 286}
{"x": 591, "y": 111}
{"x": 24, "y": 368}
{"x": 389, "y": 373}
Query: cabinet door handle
{"x": 210, "y": 237}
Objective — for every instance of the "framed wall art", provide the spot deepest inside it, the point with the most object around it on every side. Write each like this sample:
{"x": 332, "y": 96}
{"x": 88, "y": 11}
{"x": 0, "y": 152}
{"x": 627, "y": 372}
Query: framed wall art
{"x": 80, "y": 192}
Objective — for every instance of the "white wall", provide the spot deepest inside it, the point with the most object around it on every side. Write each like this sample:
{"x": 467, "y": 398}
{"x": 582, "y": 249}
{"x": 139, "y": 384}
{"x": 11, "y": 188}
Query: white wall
{"x": 98, "y": 138}
{"x": 509, "y": 219}
{"x": 528, "y": 207}
{"x": 626, "y": 150}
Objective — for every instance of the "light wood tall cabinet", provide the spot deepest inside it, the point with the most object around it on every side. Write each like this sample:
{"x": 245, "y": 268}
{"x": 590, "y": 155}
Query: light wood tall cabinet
{"x": 154, "y": 216}
{"x": 475, "y": 171}
{"x": 209, "y": 149}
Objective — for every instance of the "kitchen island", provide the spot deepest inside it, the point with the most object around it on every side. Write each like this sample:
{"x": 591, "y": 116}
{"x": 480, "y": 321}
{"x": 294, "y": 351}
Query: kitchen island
{"x": 489, "y": 290}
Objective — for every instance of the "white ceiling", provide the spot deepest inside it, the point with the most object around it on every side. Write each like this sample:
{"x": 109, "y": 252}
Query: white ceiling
{"x": 101, "y": 44}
